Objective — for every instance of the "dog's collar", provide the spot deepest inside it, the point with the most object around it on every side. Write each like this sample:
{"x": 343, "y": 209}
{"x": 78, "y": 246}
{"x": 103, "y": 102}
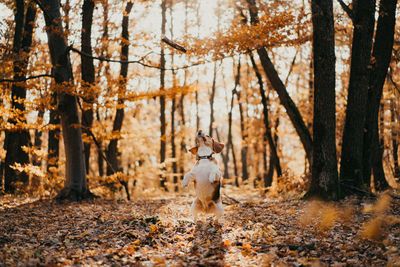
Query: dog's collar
{"x": 205, "y": 157}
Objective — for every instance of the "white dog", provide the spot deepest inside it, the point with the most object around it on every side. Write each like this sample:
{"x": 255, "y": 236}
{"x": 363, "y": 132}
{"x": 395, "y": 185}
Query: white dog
{"x": 207, "y": 176}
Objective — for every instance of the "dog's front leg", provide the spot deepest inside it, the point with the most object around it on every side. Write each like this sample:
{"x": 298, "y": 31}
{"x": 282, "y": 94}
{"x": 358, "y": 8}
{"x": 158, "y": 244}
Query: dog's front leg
{"x": 186, "y": 179}
{"x": 214, "y": 175}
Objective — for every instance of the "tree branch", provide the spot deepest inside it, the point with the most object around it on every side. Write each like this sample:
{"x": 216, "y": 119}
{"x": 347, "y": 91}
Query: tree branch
{"x": 140, "y": 61}
{"x": 27, "y": 78}
{"x": 347, "y": 9}
{"x": 174, "y": 45}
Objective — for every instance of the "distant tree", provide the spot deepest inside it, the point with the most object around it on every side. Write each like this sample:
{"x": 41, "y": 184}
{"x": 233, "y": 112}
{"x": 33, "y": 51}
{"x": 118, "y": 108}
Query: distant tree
{"x": 173, "y": 104}
{"x": 212, "y": 99}
{"x": 274, "y": 158}
{"x": 163, "y": 147}
{"x": 17, "y": 138}
{"x": 87, "y": 72}
{"x": 324, "y": 180}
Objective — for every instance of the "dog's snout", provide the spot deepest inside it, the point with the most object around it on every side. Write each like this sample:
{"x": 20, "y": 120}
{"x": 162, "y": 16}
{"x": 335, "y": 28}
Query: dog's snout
{"x": 199, "y": 133}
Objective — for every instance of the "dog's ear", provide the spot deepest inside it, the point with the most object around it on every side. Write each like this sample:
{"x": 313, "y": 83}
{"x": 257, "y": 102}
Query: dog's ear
{"x": 217, "y": 146}
{"x": 193, "y": 150}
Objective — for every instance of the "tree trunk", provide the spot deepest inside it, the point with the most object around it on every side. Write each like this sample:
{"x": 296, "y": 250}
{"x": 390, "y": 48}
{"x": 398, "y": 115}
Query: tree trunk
{"x": 381, "y": 54}
{"x": 271, "y": 143}
{"x": 279, "y": 87}
{"x": 163, "y": 148}
{"x": 243, "y": 131}
{"x": 104, "y": 52}
{"x": 37, "y": 161}
{"x": 113, "y": 155}
{"x": 53, "y": 145}
{"x": 351, "y": 166}
{"x": 380, "y": 181}
{"x": 100, "y": 151}
{"x": 75, "y": 186}
{"x": 394, "y": 136}
{"x": 212, "y": 96}
{"x": 324, "y": 180}
{"x": 87, "y": 72}
{"x": 20, "y": 137}
{"x": 182, "y": 111}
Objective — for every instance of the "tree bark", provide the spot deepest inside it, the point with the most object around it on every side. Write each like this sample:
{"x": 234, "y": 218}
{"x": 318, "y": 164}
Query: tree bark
{"x": 351, "y": 166}
{"x": 87, "y": 72}
{"x": 382, "y": 51}
{"x": 75, "y": 186}
{"x": 324, "y": 180}
{"x": 279, "y": 87}
{"x": 17, "y": 138}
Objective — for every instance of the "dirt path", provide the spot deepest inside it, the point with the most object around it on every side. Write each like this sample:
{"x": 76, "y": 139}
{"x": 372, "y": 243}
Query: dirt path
{"x": 161, "y": 232}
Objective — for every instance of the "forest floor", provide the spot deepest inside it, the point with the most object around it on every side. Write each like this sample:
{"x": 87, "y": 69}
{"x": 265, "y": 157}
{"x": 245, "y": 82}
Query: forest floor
{"x": 160, "y": 232}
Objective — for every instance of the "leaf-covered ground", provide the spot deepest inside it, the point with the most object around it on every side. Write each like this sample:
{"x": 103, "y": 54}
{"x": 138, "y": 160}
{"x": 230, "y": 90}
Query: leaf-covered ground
{"x": 160, "y": 232}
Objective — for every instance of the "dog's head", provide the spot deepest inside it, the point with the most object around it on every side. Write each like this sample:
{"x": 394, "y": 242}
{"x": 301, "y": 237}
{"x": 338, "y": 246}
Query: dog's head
{"x": 206, "y": 144}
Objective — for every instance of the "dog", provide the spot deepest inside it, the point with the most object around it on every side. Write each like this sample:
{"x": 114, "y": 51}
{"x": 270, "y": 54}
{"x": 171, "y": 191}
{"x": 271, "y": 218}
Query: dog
{"x": 206, "y": 175}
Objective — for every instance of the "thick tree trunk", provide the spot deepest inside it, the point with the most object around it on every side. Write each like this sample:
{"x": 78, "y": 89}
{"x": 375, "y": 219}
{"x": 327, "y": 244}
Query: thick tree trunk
{"x": 324, "y": 181}
{"x": 351, "y": 166}
{"x": 87, "y": 72}
{"x": 279, "y": 87}
{"x": 163, "y": 145}
{"x": 75, "y": 186}
{"x": 382, "y": 52}
{"x": 271, "y": 143}
{"x": 18, "y": 138}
